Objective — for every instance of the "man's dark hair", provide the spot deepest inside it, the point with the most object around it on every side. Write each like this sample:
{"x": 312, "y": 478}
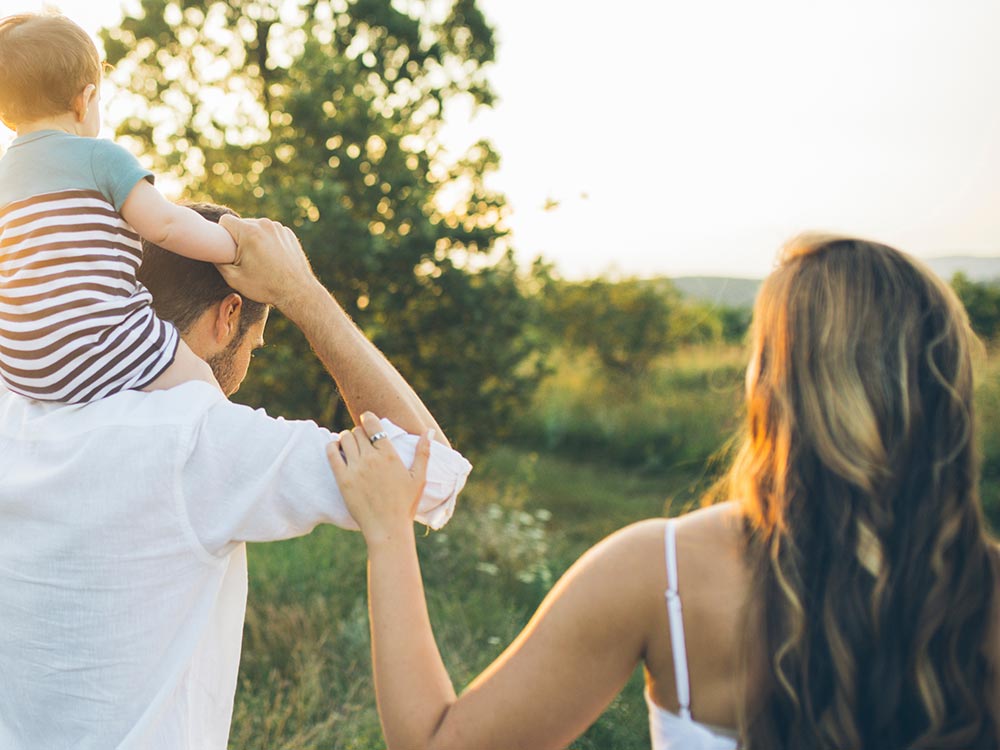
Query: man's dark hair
{"x": 183, "y": 288}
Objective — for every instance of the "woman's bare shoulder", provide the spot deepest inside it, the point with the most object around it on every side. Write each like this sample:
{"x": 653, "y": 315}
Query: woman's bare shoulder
{"x": 710, "y": 544}
{"x": 723, "y": 519}
{"x": 712, "y": 562}
{"x": 712, "y": 530}
{"x": 704, "y": 532}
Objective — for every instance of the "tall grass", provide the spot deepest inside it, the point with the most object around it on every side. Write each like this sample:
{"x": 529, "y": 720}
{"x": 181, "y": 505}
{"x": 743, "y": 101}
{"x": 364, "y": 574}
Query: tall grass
{"x": 674, "y": 416}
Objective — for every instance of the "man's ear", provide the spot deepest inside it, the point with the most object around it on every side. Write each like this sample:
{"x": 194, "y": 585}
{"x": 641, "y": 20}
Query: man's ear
{"x": 227, "y": 318}
{"x": 83, "y": 101}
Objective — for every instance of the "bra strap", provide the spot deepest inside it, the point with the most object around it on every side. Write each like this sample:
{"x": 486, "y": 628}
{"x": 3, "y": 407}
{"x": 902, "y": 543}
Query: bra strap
{"x": 676, "y": 625}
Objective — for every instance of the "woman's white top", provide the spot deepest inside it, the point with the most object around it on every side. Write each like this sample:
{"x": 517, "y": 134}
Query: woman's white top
{"x": 678, "y": 731}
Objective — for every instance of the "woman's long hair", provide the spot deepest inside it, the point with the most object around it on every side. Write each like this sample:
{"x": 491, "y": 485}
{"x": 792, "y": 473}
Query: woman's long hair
{"x": 874, "y": 576}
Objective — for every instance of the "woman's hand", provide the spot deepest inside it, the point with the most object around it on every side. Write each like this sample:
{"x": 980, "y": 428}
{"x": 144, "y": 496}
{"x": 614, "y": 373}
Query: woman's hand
{"x": 380, "y": 492}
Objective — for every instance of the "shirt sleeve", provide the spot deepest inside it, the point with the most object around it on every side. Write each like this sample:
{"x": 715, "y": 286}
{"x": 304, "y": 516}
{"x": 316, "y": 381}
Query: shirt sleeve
{"x": 116, "y": 171}
{"x": 249, "y": 477}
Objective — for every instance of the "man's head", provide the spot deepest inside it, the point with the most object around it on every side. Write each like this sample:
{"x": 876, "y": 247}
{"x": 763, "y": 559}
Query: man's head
{"x": 50, "y": 66}
{"x": 220, "y": 325}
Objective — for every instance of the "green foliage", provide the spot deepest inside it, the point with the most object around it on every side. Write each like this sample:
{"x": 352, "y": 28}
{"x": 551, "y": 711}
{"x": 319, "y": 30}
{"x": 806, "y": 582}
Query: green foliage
{"x": 626, "y": 324}
{"x": 467, "y": 345}
{"x": 629, "y": 324}
{"x": 680, "y": 412}
{"x": 735, "y": 322}
{"x": 325, "y": 115}
{"x": 988, "y": 431}
{"x": 695, "y": 323}
{"x": 982, "y": 302}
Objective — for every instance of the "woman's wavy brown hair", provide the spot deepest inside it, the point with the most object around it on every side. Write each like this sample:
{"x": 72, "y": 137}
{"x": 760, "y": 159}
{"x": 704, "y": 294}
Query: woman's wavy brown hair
{"x": 875, "y": 578}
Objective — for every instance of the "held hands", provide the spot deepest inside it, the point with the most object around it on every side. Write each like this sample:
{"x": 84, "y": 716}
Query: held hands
{"x": 270, "y": 266}
{"x": 380, "y": 492}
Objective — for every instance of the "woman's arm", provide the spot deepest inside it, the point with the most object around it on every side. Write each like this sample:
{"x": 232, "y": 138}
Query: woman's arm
{"x": 558, "y": 676}
{"x": 176, "y": 228}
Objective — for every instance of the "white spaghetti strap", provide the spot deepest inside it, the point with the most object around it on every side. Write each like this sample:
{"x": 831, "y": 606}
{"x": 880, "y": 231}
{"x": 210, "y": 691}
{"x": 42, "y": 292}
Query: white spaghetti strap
{"x": 676, "y": 625}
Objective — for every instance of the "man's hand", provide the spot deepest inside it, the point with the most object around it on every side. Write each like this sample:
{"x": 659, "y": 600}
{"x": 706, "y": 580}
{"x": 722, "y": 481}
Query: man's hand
{"x": 271, "y": 266}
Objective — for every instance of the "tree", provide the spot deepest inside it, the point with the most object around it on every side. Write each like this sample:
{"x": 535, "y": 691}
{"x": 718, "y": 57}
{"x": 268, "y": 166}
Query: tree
{"x": 326, "y": 115}
{"x": 982, "y": 303}
{"x": 627, "y": 324}
{"x": 734, "y": 322}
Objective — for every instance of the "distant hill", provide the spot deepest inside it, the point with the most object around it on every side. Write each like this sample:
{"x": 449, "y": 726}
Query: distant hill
{"x": 727, "y": 291}
{"x": 718, "y": 290}
{"x": 977, "y": 269}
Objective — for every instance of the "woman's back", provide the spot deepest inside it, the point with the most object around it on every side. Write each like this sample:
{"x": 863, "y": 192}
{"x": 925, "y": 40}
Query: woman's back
{"x": 712, "y": 584}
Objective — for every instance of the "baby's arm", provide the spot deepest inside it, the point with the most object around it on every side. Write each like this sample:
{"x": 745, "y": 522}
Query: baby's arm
{"x": 176, "y": 228}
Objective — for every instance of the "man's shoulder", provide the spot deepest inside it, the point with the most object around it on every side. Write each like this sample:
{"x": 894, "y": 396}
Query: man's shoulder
{"x": 185, "y": 404}
{"x": 182, "y": 404}
{"x": 195, "y": 413}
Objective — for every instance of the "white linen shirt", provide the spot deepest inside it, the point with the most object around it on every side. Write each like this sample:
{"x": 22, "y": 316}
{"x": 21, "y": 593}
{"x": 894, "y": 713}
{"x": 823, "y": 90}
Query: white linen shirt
{"x": 123, "y": 573}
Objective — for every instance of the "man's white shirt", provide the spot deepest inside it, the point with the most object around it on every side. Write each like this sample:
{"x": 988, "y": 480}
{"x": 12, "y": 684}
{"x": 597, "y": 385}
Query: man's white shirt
{"x": 123, "y": 573}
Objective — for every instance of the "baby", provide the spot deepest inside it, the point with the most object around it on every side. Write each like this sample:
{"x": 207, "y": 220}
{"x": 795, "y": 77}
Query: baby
{"x": 75, "y": 324}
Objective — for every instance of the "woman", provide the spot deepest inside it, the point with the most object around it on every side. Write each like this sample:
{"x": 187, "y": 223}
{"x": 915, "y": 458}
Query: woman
{"x": 845, "y": 597}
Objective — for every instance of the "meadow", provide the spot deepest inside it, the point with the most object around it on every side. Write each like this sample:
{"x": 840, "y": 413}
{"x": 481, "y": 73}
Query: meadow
{"x": 595, "y": 453}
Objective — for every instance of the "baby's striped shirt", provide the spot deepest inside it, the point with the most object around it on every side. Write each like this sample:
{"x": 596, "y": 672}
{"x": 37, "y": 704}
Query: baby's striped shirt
{"x": 75, "y": 324}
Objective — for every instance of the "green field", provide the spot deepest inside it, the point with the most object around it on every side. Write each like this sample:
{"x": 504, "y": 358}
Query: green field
{"x": 592, "y": 456}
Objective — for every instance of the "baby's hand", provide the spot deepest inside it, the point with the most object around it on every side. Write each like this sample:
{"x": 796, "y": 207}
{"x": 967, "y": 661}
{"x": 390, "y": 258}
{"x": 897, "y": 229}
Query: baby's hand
{"x": 380, "y": 492}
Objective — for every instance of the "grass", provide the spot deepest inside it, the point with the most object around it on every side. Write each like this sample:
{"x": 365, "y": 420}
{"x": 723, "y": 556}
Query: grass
{"x": 587, "y": 501}
{"x": 667, "y": 420}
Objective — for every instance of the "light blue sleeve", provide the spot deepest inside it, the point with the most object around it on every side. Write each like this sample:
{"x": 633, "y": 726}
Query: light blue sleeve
{"x": 116, "y": 171}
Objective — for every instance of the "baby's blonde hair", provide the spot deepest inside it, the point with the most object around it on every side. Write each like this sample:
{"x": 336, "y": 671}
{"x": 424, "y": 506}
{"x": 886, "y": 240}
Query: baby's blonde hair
{"x": 47, "y": 60}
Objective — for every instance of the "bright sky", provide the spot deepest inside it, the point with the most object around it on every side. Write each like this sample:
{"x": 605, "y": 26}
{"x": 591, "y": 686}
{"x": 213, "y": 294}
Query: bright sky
{"x": 694, "y": 137}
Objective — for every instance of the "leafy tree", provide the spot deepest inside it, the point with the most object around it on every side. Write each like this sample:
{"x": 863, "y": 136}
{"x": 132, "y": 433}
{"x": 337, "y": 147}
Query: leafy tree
{"x": 326, "y": 115}
{"x": 627, "y": 324}
{"x": 982, "y": 302}
{"x": 735, "y": 323}
{"x": 694, "y": 322}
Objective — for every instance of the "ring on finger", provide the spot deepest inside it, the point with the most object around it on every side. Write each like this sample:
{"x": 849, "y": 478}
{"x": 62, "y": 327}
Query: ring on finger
{"x": 380, "y": 435}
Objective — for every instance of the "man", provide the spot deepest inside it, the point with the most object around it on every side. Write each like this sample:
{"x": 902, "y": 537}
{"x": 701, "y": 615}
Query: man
{"x": 123, "y": 568}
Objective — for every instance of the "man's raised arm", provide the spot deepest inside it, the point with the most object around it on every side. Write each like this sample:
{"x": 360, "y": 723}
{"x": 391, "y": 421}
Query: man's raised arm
{"x": 272, "y": 268}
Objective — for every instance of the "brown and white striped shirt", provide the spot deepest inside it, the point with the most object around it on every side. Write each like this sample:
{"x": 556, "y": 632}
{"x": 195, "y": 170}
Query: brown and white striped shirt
{"x": 75, "y": 324}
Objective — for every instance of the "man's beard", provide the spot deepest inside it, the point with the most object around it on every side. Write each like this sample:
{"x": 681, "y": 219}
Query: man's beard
{"x": 222, "y": 365}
